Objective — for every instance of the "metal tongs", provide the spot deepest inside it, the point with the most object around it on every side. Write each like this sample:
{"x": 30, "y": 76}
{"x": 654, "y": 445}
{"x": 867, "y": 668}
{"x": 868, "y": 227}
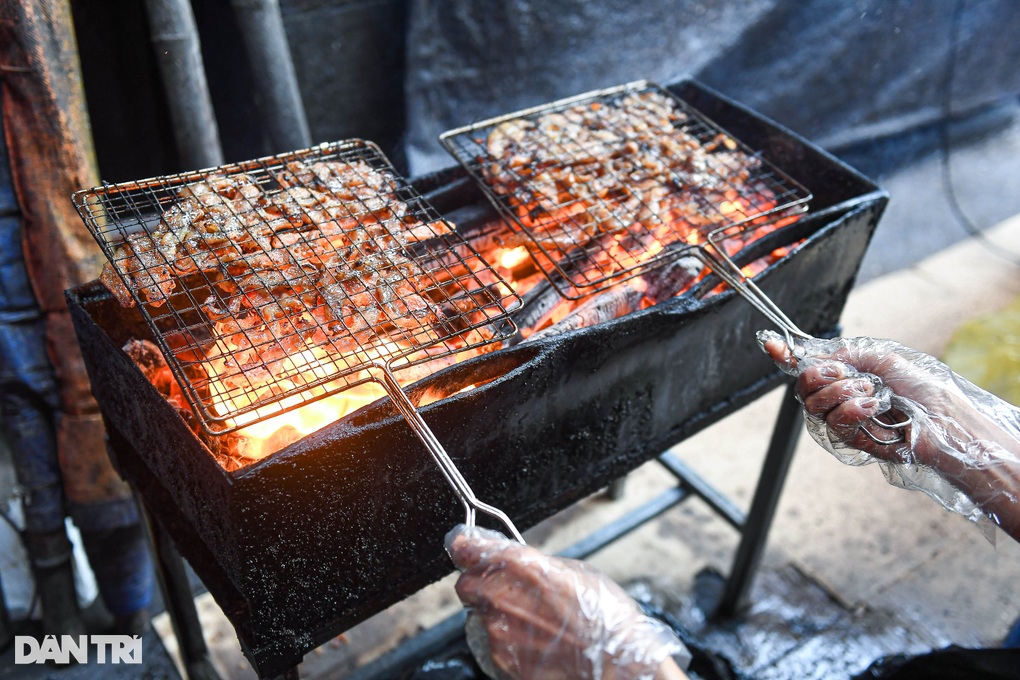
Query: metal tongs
{"x": 716, "y": 258}
{"x": 472, "y": 505}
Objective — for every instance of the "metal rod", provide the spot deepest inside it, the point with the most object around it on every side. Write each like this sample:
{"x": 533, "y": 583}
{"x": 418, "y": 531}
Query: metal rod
{"x": 729, "y": 272}
{"x": 726, "y": 269}
{"x": 411, "y": 653}
{"x": 439, "y": 637}
{"x": 446, "y": 465}
{"x": 617, "y": 488}
{"x": 763, "y": 506}
{"x": 691, "y": 480}
{"x": 175, "y": 39}
{"x": 6, "y": 634}
{"x": 179, "y": 602}
{"x": 623, "y": 526}
{"x": 269, "y": 55}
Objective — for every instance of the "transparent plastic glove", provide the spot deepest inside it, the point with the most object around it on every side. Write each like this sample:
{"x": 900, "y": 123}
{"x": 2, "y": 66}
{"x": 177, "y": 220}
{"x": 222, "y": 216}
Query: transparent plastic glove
{"x": 962, "y": 447}
{"x": 535, "y": 617}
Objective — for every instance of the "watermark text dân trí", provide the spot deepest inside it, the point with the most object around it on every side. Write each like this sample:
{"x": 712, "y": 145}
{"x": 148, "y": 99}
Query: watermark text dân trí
{"x": 65, "y": 648}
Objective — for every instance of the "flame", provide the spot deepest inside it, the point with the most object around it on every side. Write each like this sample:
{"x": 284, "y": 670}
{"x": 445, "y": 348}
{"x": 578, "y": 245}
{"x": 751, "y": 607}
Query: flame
{"x": 256, "y": 440}
{"x": 513, "y": 257}
{"x": 730, "y": 207}
{"x": 271, "y": 435}
{"x": 654, "y": 249}
{"x": 514, "y": 265}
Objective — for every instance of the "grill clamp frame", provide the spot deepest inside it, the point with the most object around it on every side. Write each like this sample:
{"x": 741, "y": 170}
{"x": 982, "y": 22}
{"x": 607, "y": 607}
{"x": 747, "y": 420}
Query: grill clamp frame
{"x": 181, "y": 323}
{"x": 134, "y": 208}
{"x": 558, "y": 260}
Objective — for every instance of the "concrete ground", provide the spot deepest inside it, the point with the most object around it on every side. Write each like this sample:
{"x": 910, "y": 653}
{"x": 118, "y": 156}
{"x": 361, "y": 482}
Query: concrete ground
{"x": 854, "y": 569}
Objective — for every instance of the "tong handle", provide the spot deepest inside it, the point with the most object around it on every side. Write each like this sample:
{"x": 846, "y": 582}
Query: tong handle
{"x": 727, "y": 270}
{"x": 898, "y": 430}
{"x": 454, "y": 478}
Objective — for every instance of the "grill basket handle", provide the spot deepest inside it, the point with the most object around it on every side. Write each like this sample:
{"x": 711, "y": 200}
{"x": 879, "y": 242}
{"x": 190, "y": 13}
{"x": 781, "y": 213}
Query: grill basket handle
{"x": 472, "y": 505}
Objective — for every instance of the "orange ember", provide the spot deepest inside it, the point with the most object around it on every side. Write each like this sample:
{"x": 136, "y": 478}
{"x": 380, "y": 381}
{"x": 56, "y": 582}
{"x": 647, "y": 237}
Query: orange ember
{"x": 261, "y": 439}
{"x": 269, "y": 436}
{"x": 513, "y": 257}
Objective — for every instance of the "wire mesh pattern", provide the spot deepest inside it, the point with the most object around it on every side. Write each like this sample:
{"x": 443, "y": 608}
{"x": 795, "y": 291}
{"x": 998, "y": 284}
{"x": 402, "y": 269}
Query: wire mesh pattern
{"x": 608, "y": 184}
{"x": 279, "y": 281}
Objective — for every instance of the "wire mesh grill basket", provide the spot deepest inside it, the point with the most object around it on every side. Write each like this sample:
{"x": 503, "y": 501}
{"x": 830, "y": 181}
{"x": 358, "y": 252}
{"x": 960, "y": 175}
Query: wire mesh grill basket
{"x": 271, "y": 283}
{"x": 606, "y": 184}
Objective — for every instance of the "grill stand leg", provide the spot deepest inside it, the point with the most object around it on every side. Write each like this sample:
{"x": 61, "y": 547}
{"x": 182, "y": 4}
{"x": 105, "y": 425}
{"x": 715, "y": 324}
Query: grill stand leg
{"x": 179, "y": 602}
{"x": 617, "y": 488}
{"x": 763, "y": 506}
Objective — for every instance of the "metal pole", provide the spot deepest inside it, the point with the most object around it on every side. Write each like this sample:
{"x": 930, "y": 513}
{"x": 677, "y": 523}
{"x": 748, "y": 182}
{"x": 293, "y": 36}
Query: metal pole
{"x": 180, "y": 604}
{"x": 280, "y": 104}
{"x": 6, "y": 634}
{"x": 175, "y": 38}
{"x": 763, "y": 506}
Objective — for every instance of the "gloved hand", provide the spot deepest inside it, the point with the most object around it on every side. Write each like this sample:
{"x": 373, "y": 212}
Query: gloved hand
{"x": 535, "y": 617}
{"x": 962, "y": 446}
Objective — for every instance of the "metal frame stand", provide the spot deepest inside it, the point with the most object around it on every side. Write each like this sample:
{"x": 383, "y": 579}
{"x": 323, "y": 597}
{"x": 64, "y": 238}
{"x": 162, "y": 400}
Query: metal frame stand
{"x": 179, "y": 602}
{"x": 753, "y": 527}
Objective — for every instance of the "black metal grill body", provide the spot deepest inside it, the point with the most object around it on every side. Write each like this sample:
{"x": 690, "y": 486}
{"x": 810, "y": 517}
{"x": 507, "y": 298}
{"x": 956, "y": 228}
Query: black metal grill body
{"x": 349, "y": 520}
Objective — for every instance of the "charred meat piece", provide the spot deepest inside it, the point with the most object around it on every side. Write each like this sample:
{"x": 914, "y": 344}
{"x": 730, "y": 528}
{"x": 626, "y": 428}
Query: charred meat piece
{"x": 144, "y": 269}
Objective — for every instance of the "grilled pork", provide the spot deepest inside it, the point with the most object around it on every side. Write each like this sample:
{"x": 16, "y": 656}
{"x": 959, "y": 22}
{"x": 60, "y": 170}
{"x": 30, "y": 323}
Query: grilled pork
{"x": 606, "y": 167}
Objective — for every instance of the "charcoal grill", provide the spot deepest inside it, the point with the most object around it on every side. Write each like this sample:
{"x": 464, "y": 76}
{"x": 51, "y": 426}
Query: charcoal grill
{"x": 349, "y": 520}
